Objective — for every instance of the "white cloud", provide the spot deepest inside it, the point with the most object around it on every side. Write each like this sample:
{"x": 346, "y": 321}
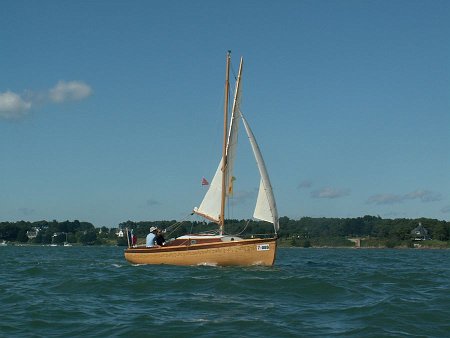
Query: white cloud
{"x": 330, "y": 193}
{"x": 69, "y": 91}
{"x": 12, "y": 105}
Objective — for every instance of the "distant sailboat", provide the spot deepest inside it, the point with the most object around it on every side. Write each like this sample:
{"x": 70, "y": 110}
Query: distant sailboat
{"x": 53, "y": 240}
{"x": 66, "y": 243}
{"x": 221, "y": 249}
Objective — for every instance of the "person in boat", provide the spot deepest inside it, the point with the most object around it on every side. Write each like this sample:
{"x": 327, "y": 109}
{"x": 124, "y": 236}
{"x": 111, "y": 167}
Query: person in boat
{"x": 133, "y": 239}
{"x": 160, "y": 237}
{"x": 130, "y": 237}
{"x": 151, "y": 238}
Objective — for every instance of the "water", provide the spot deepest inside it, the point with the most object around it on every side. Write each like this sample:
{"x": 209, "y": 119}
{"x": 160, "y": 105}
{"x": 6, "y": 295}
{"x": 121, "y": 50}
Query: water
{"x": 92, "y": 291}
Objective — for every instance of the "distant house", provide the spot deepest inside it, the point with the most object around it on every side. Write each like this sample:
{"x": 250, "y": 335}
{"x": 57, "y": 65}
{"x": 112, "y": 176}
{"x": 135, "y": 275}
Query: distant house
{"x": 119, "y": 233}
{"x": 419, "y": 233}
{"x": 32, "y": 233}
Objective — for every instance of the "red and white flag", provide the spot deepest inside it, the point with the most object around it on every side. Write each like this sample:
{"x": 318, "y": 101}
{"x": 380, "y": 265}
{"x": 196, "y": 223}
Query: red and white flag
{"x": 204, "y": 181}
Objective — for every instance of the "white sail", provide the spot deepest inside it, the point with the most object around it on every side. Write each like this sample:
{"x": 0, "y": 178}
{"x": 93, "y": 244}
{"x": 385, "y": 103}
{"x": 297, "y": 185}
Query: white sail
{"x": 262, "y": 208}
{"x": 211, "y": 204}
{"x": 266, "y": 208}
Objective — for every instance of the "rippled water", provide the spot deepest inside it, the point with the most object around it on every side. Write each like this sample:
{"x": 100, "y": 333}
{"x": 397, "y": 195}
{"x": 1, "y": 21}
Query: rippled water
{"x": 92, "y": 291}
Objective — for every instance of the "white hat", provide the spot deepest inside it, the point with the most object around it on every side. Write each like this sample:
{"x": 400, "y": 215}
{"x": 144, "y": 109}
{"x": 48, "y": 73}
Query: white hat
{"x": 153, "y": 229}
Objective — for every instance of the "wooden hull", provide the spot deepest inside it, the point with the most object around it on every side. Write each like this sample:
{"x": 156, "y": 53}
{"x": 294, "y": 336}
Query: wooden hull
{"x": 243, "y": 252}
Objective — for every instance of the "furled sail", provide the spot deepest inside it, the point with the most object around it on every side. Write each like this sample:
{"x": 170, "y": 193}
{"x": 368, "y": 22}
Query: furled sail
{"x": 266, "y": 208}
{"x": 233, "y": 133}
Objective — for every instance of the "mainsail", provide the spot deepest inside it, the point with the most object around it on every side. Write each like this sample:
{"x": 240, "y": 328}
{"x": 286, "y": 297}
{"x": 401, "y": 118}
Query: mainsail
{"x": 265, "y": 209}
{"x": 211, "y": 204}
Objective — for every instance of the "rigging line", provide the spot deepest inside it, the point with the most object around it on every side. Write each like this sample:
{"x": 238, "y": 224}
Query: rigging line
{"x": 248, "y": 221}
{"x": 233, "y": 71}
{"x": 192, "y": 226}
{"x": 176, "y": 225}
{"x": 239, "y": 233}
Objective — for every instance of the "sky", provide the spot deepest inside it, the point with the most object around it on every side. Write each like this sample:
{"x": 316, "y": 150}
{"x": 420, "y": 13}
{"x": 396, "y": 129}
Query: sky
{"x": 112, "y": 110}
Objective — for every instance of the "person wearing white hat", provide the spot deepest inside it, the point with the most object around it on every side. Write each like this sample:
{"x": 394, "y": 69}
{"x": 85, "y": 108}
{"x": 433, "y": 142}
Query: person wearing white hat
{"x": 150, "y": 240}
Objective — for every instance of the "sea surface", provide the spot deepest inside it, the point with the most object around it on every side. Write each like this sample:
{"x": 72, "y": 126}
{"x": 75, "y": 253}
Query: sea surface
{"x": 94, "y": 292}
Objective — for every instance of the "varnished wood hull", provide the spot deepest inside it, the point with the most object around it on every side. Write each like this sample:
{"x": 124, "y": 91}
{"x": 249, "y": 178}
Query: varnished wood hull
{"x": 243, "y": 252}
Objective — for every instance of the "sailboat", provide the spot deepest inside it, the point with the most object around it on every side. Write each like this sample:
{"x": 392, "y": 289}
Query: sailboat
{"x": 221, "y": 249}
{"x": 66, "y": 243}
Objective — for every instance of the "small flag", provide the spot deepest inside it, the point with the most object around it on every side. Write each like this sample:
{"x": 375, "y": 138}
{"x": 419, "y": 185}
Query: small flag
{"x": 204, "y": 181}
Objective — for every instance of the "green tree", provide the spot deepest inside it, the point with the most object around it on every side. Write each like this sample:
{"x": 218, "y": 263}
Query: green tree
{"x": 122, "y": 241}
{"x": 88, "y": 237}
{"x": 22, "y": 236}
{"x": 441, "y": 232}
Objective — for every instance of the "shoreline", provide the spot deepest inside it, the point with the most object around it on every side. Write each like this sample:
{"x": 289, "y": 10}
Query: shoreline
{"x": 280, "y": 245}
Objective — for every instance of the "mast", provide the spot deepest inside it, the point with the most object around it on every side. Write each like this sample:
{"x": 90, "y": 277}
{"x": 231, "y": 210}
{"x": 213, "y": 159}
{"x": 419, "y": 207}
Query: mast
{"x": 224, "y": 147}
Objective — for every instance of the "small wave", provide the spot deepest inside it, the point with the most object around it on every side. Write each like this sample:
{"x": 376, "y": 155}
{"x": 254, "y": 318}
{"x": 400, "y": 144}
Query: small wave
{"x": 207, "y": 264}
{"x": 347, "y": 293}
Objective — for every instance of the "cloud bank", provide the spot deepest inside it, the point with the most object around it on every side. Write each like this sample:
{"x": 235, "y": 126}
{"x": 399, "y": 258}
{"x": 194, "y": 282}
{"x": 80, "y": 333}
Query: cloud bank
{"x": 422, "y": 195}
{"x": 16, "y": 106}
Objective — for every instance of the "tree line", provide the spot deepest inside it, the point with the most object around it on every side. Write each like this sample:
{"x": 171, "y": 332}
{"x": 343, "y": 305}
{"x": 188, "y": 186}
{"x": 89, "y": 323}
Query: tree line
{"x": 372, "y": 226}
{"x": 54, "y": 232}
{"x": 305, "y": 228}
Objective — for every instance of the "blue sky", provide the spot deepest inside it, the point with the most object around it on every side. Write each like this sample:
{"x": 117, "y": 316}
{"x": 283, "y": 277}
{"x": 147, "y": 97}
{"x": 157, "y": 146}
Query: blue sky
{"x": 111, "y": 110}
